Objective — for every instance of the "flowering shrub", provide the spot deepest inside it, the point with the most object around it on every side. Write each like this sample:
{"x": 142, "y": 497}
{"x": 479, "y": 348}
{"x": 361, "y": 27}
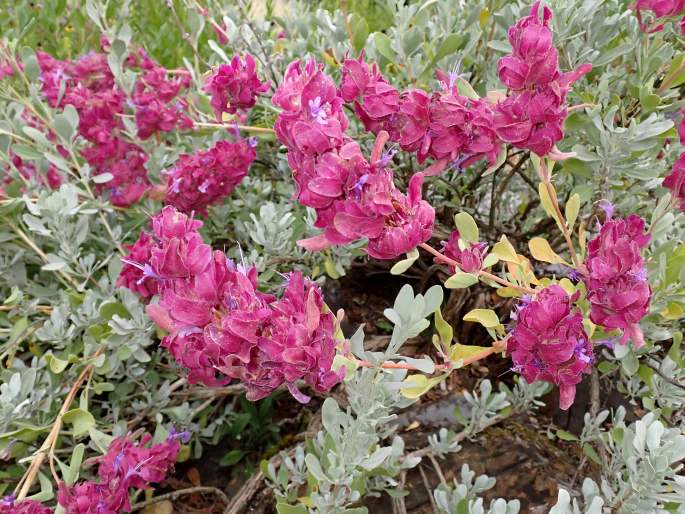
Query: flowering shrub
{"x": 175, "y": 227}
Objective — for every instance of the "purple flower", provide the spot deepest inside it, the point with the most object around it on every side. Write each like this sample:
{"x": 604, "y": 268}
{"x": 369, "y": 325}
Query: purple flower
{"x": 549, "y": 342}
{"x": 235, "y": 86}
{"x": 295, "y": 341}
{"x": 133, "y": 274}
{"x": 158, "y": 106}
{"x": 607, "y": 207}
{"x": 616, "y": 281}
{"x": 126, "y": 162}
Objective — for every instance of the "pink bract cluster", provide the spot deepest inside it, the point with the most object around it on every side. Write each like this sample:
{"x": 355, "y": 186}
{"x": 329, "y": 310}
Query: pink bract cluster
{"x": 661, "y": 11}
{"x": 8, "y": 505}
{"x": 616, "y": 278}
{"x": 207, "y": 177}
{"x": 675, "y": 181}
{"x": 235, "y": 86}
{"x": 158, "y": 106}
{"x": 128, "y": 464}
{"x": 469, "y": 257}
{"x": 221, "y": 327}
{"x": 444, "y": 125}
{"x": 549, "y": 342}
{"x": 533, "y": 114}
{"x": 88, "y": 84}
{"x": 354, "y": 198}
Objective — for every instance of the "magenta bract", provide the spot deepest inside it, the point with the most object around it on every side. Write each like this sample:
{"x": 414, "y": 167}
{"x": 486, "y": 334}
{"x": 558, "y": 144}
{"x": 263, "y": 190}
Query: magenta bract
{"x": 616, "y": 279}
{"x": 470, "y": 259}
{"x": 8, "y": 505}
{"x": 675, "y": 181}
{"x": 221, "y": 327}
{"x": 549, "y": 342}
{"x": 127, "y": 464}
{"x": 207, "y": 177}
{"x": 533, "y": 114}
{"x": 235, "y": 86}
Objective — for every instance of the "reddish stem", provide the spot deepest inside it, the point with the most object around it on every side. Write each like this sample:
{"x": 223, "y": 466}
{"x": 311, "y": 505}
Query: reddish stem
{"x": 482, "y": 273}
{"x": 498, "y": 346}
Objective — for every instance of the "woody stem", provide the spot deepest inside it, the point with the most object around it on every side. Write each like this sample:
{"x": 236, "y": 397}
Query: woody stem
{"x": 30, "y": 477}
{"x": 246, "y": 128}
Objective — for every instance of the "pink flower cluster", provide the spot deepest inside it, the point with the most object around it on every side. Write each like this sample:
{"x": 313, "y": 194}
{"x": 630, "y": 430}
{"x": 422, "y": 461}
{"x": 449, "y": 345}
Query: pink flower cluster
{"x": 88, "y": 84}
{"x": 661, "y": 10}
{"x": 221, "y": 327}
{"x": 533, "y": 114}
{"x": 235, "y": 86}
{"x": 444, "y": 125}
{"x": 207, "y": 177}
{"x": 616, "y": 278}
{"x": 675, "y": 181}
{"x": 157, "y": 103}
{"x": 469, "y": 258}
{"x": 549, "y": 343}
{"x": 8, "y": 505}
{"x": 354, "y": 198}
{"x": 128, "y": 464}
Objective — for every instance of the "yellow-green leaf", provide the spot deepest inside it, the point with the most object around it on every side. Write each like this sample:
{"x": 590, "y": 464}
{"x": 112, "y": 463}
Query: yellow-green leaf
{"x": 490, "y": 260}
{"x": 572, "y": 209}
{"x": 581, "y": 238}
{"x": 507, "y": 292}
{"x": 546, "y": 200}
{"x": 466, "y": 225}
{"x": 415, "y": 385}
{"x": 486, "y": 317}
{"x": 443, "y": 328}
{"x": 331, "y": 270}
{"x": 81, "y": 419}
{"x": 542, "y": 251}
{"x": 672, "y": 311}
{"x": 465, "y": 89}
{"x": 350, "y": 366}
{"x": 568, "y": 286}
{"x": 460, "y": 280}
{"x": 403, "y": 265}
{"x": 504, "y": 250}
{"x": 56, "y": 364}
{"x": 462, "y": 351}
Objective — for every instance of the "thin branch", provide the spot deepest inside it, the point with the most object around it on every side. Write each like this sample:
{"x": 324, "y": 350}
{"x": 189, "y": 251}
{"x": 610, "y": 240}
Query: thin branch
{"x": 181, "y": 492}
{"x": 32, "y": 472}
{"x": 429, "y": 491}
